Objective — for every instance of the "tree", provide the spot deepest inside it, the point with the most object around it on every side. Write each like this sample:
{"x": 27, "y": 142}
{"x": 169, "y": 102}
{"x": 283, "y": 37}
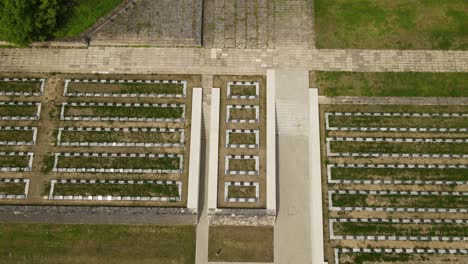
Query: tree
{"x": 24, "y": 21}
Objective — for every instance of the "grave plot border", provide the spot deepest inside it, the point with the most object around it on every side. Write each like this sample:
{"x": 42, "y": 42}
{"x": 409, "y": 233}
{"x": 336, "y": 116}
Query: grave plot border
{"x": 393, "y": 129}
{"x": 257, "y": 90}
{"x": 113, "y": 170}
{"x": 133, "y": 119}
{"x": 21, "y": 118}
{"x": 131, "y": 95}
{"x": 19, "y": 143}
{"x": 15, "y": 196}
{"x": 18, "y": 169}
{"x": 245, "y": 157}
{"x": 242, "y": 200}
{"x": 113, "y": 198}
{"x": 395, "y": 237}
{"x": 395, "y": 209}
{"x": 337, "y": 251}
{"x": 120, "y": 144}
{"x": 242, "y": 121}
{"x": 41, "y": 89}
{"x": 393, "y": 155}
{"x": 394, "y": 166}
{"x": 244, "y": 131}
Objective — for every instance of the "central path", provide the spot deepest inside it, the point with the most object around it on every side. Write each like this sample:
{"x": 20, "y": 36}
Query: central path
{"x": 292, "y": 229}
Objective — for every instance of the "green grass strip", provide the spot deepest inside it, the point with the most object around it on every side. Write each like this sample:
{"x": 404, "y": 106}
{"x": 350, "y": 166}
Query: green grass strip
{"x": 241, "y": 191}
{"x": 398, "y": 147}
{"x": 244, "y": 90}
{"x": 12, "y": 188}
{"x": 402, "y": 121}
{"x": 18, "y": 110}
{"x": 242, "y": 164}
{"x": 113, "y": 111}
{"x": 20, "y": 87}
{"x": 388, "y": 200}
{"x": 127, "y": 88}
{"x": 132, "y": 190}
{"x": 92, "y": 244}
{"x": 392, "y": 84}
{"x": 433, "y": 174}
{"x": 82, "y": 15}
{"x": 14, "y": 161}
{"x": 119, "y": 163}
{"x": 242, "y": 138}
{"x": 395, "y": 229}
{"x": 119, "y": 136}
{"x": 16, "y": 135}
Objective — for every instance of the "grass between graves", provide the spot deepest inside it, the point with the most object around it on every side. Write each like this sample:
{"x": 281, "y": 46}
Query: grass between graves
{"x": 416, "y": 201}
{"x": 120, "y": 136}
{"x": 241, "y": 244}
{"x": 446, "y": 174}
{"x": 14, "y": 161}
{"x": 245, "y": 90}
{"x": 165, "y": 163}
{"x": 12, "y": 188}
{"x": 242, "y": 138}
{"x": 16, "y": 135}
{"x": 26, "y": 87}
{"x": 391, "y": 229}
{"x": 361, "y": 258}
{"x": 81, "y": 15}
{"x": 93, "y": 244}
{"x": 243, "y": 113}
{"x": 132, "y": 190}
{"x": 18, "y": 110}
{"x": 398, "y": 147}
{"x": 398, "y": 121}
{"x": 241, "y": 191}
{"x": 242, "y": 164}
{"x": 126, "y": 88}
{"x": 391, "y": 84}
{"x": 114, "y": 111}
{"x": 397, "y": 24}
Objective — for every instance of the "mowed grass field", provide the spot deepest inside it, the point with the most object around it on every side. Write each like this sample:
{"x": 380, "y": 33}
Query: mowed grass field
{"x": 63, "y": 244}
{"x": 241, "y": 244}
{"x": 82, "y": 14}
{"x": 396, "y": 24}
{"x": 391, "y": 84}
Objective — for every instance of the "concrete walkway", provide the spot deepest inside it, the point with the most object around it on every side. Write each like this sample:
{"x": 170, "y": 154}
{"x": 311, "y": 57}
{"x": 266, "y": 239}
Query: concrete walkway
{"x": 292, "y": 229}
{"x": 225, "y": 61}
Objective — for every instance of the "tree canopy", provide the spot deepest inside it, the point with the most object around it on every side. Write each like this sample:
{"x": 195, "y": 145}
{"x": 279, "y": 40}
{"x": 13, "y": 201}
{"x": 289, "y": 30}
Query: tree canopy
{"x": 24, "y": 21}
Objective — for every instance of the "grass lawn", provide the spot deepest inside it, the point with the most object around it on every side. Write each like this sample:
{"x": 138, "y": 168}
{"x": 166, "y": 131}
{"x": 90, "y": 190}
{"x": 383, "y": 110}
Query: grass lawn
{"x": 132, "y": 190}
{"x": 163, "y": 163}
{"x": 16, "y": 135}
{"x": 397, "y": 24}
{"x": 392, "y": 229}
{"x": 121, "y": 111}
{"x": 388, "y": 200}
{"x": 240, "y": 244}
{"x": 92, "y": 244}
{"x": 398, "y": 121}
{"x": 127, "y": 88}
{"x": 447, "y": 174}
{"x": 361, "y": 258}
{"x": 18, "y": 110}
{"x": 14, "y": 161}
{"x": 82, "y": 15}
{"x": 391, "y": 84}
{"x": 242, "y": 164}
{"x": 26, "y": 87}
{"x": 398, "y": 147}
{"x": 119, "y": 136}
{"x": 12, "y": 188}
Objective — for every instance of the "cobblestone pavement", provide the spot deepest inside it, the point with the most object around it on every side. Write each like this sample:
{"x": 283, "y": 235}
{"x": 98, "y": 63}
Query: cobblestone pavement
{"x": 225, "y": 61}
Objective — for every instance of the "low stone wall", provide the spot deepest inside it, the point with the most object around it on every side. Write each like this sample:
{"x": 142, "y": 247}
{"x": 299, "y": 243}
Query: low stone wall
{"x": 241, "y": 217}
